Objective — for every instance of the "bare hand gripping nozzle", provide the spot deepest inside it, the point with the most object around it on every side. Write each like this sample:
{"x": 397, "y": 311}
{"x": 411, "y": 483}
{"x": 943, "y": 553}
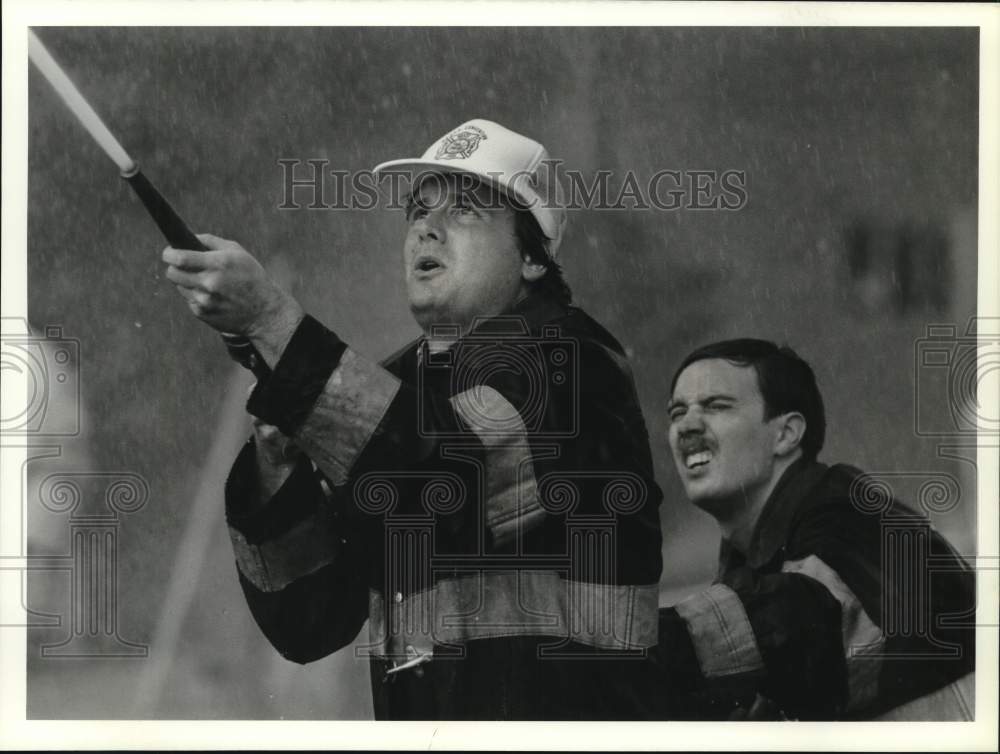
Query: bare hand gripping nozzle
{"x": 167, "y": 220}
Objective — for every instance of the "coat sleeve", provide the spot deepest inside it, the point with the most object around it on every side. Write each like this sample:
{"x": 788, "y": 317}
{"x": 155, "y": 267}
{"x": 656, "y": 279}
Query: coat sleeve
{"x": 301, "y": 564}
{"x": 907, "y": 598}
{"x": 778, "y": 637}
{"x": 835, "y": 632}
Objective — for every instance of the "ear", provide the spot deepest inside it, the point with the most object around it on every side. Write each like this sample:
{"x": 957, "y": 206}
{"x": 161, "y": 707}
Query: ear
{"x": 791, "y": 429}
{"x": 530, "y": 271}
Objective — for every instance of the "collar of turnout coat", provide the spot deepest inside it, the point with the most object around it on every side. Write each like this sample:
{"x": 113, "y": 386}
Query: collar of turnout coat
{"x": 797, "y": 487}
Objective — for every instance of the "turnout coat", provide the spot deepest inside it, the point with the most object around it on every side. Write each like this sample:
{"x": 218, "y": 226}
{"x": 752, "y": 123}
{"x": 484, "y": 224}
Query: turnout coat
{"x": 489, "y": 510}
{"x": 847, "y": 605}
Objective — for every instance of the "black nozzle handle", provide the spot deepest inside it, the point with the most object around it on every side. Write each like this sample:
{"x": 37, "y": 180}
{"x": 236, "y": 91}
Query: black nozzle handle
{"x": 178, "y": 235}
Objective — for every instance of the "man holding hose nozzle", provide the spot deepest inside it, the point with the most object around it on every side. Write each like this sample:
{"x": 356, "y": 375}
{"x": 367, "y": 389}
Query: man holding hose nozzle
{"x": 484, "y": 497}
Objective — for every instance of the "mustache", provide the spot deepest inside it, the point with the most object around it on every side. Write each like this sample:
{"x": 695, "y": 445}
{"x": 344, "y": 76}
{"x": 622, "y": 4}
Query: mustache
{"x": 693, "y": 442}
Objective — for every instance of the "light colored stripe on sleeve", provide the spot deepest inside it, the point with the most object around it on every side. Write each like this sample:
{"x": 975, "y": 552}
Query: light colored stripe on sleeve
{"x": 511, "y": 500}
{"x": 496, "y": 604}
{"x": 863, "y": 640}
{"x": 346, "y": 414}
{"x": 720, "y": 629}
{"x": 273, "y": 565}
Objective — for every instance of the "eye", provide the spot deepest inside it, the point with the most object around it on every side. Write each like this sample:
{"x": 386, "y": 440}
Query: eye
{"x": 719, "y": 406}
{"x": 676, "y": 413}
{"x": 462, "y": 209}
{"x": 415, "y": 212}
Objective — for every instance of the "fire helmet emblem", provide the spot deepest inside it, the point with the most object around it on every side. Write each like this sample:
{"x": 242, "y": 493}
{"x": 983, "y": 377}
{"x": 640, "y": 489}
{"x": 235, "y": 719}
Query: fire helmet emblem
{"x": 460, "y": 144}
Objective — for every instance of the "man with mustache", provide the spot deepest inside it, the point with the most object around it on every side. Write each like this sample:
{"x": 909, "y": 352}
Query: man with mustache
{"x": 484, "y": 498}
{"x": 821, "y": 609}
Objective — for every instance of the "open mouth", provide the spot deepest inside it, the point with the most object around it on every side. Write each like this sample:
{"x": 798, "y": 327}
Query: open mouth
{"x": 698, "y": 459}
{"x": 426, "y": 265}
{"x": 696, "y": 452}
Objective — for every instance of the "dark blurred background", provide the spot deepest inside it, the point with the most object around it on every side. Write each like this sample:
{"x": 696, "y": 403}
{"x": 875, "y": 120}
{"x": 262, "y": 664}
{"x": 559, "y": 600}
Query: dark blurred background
{"x": 860, "y": 153}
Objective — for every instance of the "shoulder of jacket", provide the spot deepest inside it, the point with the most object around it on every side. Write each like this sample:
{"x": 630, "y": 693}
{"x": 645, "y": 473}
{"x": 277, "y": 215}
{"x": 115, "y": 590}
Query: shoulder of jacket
{"x": 851, "y": 496}
{"x": 395, "y": 359}
{"x": 596, "y": 344}
{"x": 582, "y": 325}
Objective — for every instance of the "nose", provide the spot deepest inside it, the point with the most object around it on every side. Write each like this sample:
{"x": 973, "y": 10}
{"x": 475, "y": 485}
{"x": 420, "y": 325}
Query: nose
{"x": 430, "y": 227}
{"x": 691, "y": 423}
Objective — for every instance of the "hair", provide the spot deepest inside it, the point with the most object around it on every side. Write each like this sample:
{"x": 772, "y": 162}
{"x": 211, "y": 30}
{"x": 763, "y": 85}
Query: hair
{"x": 531, "y": 240}
{"x": 786, "y": 382}
{"x": 534, "y": 245}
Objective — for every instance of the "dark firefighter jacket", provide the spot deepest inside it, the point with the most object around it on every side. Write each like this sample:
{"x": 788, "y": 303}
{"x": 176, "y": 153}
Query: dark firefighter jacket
{"x": 847, "y": 605}
{"x": 490, "y": 510}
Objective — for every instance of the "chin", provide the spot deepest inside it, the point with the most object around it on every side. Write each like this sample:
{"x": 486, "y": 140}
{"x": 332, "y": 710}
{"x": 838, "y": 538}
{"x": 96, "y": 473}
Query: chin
{"x": 429, "y": 316}
{"x": 702, "y": 495}
{"x": 424, "y": 312}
